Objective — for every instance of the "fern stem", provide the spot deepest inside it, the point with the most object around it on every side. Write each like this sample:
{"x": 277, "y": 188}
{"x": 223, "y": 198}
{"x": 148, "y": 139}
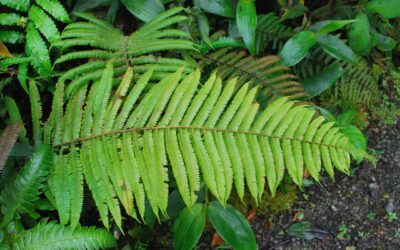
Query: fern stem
{"x": 204, "y": 129}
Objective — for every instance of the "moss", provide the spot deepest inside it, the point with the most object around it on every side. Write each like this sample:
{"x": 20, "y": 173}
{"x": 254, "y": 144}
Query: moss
{"x": 283, "y": 200}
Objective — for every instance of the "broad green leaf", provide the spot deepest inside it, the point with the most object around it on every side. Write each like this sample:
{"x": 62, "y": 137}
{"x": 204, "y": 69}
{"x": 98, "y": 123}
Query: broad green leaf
{"x": 306, "y": 231}
{"x": 356, "y": 139}
{"x": 384, "y": 43}
{"x": 219, "y": 7}
{"x": 387, "y": 8}
{"x": 346, "y": 117}
{"x": 246, "y": 20}
{"x": 204, "y": 27}
{"x": 189, "y": 226}
{"x": 145, "y": 10}
{"x": 359, "y": 35}
{"x": 297, "y": 47}
{"x": 320, "y": 82}
{"x": 293, "y": 11}
{"x": 232, "y": 226}
{"x": 336, "y": 48}
{"x": 329, "y": 26}
{"x": 112, "y": 11}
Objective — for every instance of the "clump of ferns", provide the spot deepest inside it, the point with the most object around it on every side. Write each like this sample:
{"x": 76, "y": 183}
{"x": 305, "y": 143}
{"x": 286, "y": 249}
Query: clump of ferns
{"x": 267, "y": 73}
{"x": 357, "y": 86}
{"x": 33, "y": 28}
{"x": 121, "y": 142}
{"x": 141, "y": 49}
{"x": 230, "y": 60}
{"x": 271, "y": 33}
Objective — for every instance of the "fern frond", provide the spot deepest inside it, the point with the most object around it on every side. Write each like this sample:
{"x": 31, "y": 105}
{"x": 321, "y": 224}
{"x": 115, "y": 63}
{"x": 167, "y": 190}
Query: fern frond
{"x": 11, "y": 36}
{"x": 11, "y": 19}
{"x": 20, "y": 5}
{"x": 358, "y": 87}
{"x": 108, "y": 42}
{"x": 36, "y": 111}
{"x": 43, "y": 23}
{"x": 270, "y": 29}
{"x": 36, "y": 48}
{"x": 50, "y": 235}
{"x": 128, "y": 137}
{"x": 21, "y": 192}
{"x": 272, "y": 78}
{"x": 36, "y": 21}
{"x": 55, "y": 9}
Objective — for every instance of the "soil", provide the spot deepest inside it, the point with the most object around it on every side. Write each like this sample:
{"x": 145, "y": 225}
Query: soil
{"x": 364, "y": 204}
{"x": 358, "y": 211}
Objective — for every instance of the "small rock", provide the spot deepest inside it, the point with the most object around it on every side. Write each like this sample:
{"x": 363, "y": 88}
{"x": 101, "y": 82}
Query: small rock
{"x": 389, "y": 207}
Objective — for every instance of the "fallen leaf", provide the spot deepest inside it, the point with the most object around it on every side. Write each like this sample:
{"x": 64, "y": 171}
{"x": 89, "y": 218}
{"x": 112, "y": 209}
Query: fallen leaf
{"x": 4, "y": 51}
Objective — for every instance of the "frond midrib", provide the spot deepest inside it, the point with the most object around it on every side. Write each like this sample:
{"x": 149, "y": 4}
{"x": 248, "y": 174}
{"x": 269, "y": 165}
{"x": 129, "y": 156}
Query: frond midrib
{"x": 207, "y": 129}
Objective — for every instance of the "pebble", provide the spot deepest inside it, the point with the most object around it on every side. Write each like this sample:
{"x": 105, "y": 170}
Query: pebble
{"x": 389, "y": 207}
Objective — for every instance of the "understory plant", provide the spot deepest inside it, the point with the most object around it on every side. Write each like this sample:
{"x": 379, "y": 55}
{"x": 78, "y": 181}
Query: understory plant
{"x": 169, "y": 110}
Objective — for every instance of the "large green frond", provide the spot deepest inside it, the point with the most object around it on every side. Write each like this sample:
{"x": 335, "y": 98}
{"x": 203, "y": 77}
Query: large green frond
{"x": 53, "y": 236}
{"x": 20, "y": 193}
{"x": 106, "y": 42}
{"x": 127, "y": 139}
{"x": 272, "y": 78}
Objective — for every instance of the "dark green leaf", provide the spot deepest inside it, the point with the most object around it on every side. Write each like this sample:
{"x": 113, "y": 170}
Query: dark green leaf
{"x": 112, "y": 11}
{"x": 357, "y": 140}
{"x": 145, "y": 10}
{"x": 293, "y": 11}
{"x": 328, "y": 115}
{"x": 189, "y": 226}
{"x": 320, "y": 82}
{"x": 204, "y": 27}
{"x": 329, "y": 26}
{"x": 387, "y": 8}
{"x": 336, "y": 48}
{"x": 297, "y": 47}
{"x": 246, "y": 20}
{"x": 21, "y": 150}
{"x": 84, "y": 5}
{"x": 232, "y": 226}
{"x": 346, "y": 117}
{"x": 359, "y": 35}
{"x": 306, "y": 231}
{"x": 220, "y": 7}
{"x": 384, "y": 43}
{"x": 175, "y": 204}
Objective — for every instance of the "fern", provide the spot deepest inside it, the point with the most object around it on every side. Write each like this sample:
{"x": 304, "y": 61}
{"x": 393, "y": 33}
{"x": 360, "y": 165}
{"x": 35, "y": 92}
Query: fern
{"x": 123, "y": 141}
{"x": 38, "y": 23}
{"x": 20, "y": 193}
{"x": 314, "y": 63}
{"x": 107, "y": 42}
{"x": 272, "y": 78}
{"x": 358, "y": 87}
{"x": 53, "y": 236}
{"x": 270, "y": 29}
